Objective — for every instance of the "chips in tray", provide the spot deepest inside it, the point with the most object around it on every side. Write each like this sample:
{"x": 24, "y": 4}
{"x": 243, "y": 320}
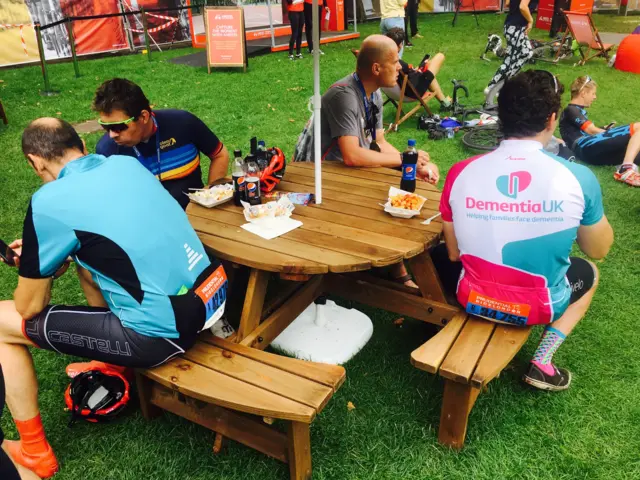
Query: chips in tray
{"x": 281, "y": 208}
{"x": 408, "y": 201}
{"x": 210, "y": 197}
{"x": 403, "y": 204}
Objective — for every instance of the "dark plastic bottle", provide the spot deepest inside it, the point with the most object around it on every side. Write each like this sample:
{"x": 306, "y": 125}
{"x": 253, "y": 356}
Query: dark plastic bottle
{"x": 409, "y": 167}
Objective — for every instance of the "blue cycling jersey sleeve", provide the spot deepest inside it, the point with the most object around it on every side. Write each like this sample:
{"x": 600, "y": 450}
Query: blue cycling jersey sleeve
{"x": 46, "y": 242}
{"x": 593, "y": 208}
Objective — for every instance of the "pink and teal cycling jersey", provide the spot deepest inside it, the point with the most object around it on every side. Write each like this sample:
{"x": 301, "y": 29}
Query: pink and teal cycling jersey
{"x": 516, "y": 213}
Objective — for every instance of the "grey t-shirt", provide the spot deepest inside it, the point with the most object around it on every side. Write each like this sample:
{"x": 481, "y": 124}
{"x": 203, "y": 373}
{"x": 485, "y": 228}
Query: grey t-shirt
{"x": 343, "y": 114}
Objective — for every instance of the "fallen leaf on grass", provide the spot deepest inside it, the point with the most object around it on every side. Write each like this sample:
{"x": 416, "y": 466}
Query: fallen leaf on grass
{"x": 398, "y": 321}
{"x": 291, "y": 120}
{"x": 350, "y": 406}
{"x": 273, "y": 109}
{"x": 1, "y": 81}
{"x": 295, "y": 89}
{"x": 58, "y": 113}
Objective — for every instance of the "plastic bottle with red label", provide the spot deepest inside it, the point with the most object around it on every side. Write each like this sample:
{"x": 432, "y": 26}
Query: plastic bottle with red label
{"x": 409, "y": 166}
{"x": 252, "y": 179}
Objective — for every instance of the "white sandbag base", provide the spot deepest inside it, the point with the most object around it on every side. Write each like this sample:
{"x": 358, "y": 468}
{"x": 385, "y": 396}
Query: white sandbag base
{"x": 326, "y": 333}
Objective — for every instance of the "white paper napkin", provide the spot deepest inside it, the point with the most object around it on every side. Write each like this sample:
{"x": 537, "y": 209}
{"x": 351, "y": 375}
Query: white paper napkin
{"x": 272, "y": 227}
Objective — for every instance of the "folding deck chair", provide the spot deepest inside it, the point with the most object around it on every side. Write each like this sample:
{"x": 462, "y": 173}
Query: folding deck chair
{"x": 398, "y": 97}
{"x": 585, "y": 33}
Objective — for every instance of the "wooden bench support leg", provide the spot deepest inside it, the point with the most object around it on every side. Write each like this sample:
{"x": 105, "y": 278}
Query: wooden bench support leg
{"x": 144, "y": 386}
{"x": 253, "y": 303}
{"x": 426, "y": 277}
{"x": 299, "y": 451}
{"x": 457, "y": 402}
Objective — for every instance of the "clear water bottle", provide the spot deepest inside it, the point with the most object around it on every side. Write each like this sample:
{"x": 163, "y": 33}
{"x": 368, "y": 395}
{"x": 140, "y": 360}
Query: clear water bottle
{"x": 252, "y": 179}
{"x": 409, "y": 167}
{"x": 237, "y": 172}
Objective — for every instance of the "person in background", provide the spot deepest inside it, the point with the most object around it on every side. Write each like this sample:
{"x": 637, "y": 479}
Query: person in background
{"x": 351, "y": 120}
{"x": 308, "y": 23}
{"x": 422, "y": 78}
{"x": 295, "y": 9}
{"x": 167, "y": 142}
{"x": 510, "y": 218}
{"x": 392, "y": 13}
{"x": 411, "y": 22}
{"x": 517, "y": 26}
{"x": 600, "y": 146}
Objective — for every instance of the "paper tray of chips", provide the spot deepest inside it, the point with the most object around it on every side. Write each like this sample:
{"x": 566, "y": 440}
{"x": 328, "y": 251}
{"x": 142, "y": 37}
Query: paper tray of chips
{"x": 210, "y": 197}
{"x": 408, "y": 198}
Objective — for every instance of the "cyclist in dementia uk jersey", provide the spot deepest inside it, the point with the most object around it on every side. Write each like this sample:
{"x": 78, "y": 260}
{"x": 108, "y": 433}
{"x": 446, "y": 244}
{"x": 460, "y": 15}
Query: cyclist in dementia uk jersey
{"x": 148, "y": 281}
{"x": 511, "y": 217}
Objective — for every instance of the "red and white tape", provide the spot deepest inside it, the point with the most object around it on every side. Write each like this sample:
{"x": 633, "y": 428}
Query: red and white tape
{"x": 171, "y": 21}
{"x": 21, "y": 26}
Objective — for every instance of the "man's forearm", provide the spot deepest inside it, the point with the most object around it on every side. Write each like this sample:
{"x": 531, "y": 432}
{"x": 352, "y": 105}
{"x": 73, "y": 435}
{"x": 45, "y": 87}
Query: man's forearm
{"x": 219, "y": 166}
{"x": 364, "y": 157}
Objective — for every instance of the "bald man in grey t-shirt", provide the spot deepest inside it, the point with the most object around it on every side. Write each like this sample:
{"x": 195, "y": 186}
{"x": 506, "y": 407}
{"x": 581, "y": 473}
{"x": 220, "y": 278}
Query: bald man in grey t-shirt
{"x": 351, "y": 115}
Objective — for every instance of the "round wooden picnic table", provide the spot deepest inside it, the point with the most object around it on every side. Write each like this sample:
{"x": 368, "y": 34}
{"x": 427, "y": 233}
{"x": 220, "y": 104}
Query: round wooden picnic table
{"x": 348, "y": 232}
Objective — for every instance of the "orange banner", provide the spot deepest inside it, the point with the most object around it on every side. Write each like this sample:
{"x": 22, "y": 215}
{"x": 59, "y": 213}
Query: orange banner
{"x": 225, "y": 37}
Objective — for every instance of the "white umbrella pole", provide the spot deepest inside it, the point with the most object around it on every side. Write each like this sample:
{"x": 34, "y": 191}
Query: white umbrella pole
{"x": 317, "y": 154}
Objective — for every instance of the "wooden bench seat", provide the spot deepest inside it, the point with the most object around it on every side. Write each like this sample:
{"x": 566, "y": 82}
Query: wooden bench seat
{"x": 236, "y": 391}
{"x": 468, "y": 353}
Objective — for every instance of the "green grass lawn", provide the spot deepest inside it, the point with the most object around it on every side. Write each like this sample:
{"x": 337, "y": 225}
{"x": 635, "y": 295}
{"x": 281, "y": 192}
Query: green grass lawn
{"x": 590, "y": 431}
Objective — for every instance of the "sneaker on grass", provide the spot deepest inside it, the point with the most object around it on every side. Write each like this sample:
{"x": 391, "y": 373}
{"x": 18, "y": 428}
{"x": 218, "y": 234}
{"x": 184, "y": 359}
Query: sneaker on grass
{"x": 628, "y": 174}
{"x": 547, "y": 377}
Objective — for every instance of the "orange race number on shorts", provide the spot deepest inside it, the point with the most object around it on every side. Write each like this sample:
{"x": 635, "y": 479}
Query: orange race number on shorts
{"x": 499, "y": 310}
{"x": 213, "y": 293}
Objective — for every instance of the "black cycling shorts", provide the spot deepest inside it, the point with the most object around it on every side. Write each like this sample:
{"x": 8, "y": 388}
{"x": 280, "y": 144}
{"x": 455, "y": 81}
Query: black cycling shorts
{"x": 97, "y": 334}
{"x": 606, "y": 148}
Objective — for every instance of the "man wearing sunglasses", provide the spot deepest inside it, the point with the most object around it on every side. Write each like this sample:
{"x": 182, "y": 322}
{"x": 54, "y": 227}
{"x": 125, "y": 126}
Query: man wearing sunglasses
{"x": 351, "y": 118}
{"x": 510, "y": 219}
{"x": 167, "y": 142}
{"x": 600, "y": 146}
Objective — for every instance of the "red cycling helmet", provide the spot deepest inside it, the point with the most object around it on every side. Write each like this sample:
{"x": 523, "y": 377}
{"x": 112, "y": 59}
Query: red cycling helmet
{"x": 97, "y": 394}
{"x": 274, "y": 171}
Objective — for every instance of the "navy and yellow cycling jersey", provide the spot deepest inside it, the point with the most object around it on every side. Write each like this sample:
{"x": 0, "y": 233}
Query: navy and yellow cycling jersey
{"x": 182, "y": 136}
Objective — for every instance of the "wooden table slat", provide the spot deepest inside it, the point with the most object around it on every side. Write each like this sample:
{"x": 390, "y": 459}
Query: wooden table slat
{"x": 378, "y": 256}
{"x": 345, "y": 200}
{"x": 336, "y": 261}
{"x": 363, "y": 181}
{"x": 348, "y": 232}
{"x": 237, "y": 252}
{"x": 390, "y": 176}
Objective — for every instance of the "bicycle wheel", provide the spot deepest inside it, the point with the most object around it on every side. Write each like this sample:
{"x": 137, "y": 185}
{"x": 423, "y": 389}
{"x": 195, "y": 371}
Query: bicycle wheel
{"x": 485, "y": 138}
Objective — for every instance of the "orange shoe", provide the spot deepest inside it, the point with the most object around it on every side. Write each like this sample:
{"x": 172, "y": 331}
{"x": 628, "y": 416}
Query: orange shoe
{"x": 44, "y": 464}
{"x": 74, "y": 369}
{"x": 630, "y": 176}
